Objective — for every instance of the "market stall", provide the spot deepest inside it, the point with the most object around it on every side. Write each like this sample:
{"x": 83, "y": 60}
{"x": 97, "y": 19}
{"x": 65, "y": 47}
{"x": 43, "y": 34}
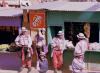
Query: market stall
{"x": 10, "y": 60}
{"x": 10, "y": 24}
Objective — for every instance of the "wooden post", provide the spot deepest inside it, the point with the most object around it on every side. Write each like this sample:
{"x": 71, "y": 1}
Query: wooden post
{"x": 46, "y": 34}
{"x": 25, "y": 19}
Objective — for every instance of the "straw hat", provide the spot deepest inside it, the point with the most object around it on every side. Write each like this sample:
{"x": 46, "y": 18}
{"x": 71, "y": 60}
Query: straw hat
{"x": 43, "y": 29}
{"x": 42, "y": 53}
{"x": 81, "y": 36}
{"x": 60, "y": 33}
{"x": 24, "y": 29}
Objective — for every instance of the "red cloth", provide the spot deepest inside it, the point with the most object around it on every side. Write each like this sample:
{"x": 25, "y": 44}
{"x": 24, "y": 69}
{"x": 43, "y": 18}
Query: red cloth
{"x": 26, "y": 62}
{"x": 57, "y": 59}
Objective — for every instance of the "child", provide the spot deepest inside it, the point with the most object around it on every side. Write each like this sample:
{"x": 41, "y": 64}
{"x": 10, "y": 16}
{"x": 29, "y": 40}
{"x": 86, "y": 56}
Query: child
{"x": 78, "y": 63}
{"x": 42, "y": 63}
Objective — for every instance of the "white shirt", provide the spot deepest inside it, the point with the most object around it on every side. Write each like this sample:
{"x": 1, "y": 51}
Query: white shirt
{"x": 58, "y": 42}
{"x": 23, "y": 40}
{"x": 81, "y": 47}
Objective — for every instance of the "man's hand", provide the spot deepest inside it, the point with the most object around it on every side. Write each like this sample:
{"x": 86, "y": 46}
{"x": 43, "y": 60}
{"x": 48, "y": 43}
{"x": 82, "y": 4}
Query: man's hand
{"x": 58, "y": 47}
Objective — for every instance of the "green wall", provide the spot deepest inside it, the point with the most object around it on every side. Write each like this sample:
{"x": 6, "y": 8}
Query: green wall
{"x": 57, "y": 18}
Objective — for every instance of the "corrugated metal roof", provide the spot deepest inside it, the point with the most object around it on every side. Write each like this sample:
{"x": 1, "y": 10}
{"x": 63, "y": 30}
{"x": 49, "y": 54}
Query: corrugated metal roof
{"x": 11, "y": 2}
{"x": 10, "y": 11}
{"x": 66, "y": 6}
{"x": 53, "y": 6}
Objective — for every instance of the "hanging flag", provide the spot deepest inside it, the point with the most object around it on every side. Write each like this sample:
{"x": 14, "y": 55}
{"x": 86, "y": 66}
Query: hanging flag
{"x": 37, "y": 19}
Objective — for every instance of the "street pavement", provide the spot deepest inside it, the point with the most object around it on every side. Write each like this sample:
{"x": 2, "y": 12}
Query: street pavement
{"x": 25, "y": 70}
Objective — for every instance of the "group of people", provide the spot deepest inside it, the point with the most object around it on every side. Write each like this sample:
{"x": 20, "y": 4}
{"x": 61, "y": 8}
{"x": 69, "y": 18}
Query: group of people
{"x": 58, "y": 45}
{"x": 24, "y": 41}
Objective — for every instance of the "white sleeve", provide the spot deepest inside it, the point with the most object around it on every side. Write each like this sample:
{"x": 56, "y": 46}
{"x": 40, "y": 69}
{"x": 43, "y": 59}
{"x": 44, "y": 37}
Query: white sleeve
{"x": 78, "y": 49}
{"x": 30, "y": 42}
{"x": 17, "y": 41}
{"x": 53, "y": 43}
{"x": 37, "y": 66}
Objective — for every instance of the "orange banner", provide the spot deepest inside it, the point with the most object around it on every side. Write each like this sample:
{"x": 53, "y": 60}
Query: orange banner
{"x": 37, "y": 19}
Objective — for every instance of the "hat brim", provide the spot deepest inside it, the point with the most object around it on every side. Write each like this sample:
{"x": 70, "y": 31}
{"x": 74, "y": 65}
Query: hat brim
{"x": 25, "y": 30}
{"x": 60, "y": 34}
{"x": 42, "y": 55}
{"x": 43, "y": 30}
{"x": 81, "y": 37}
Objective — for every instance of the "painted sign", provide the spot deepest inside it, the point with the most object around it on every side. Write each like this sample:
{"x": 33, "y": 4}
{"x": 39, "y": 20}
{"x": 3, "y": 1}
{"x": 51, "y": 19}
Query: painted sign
{"x": 37, "y": 19}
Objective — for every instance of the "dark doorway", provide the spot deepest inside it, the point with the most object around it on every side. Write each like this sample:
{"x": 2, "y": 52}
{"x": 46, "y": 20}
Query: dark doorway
{"x": 54, "y": 30}
{"x": 8, "y": 34}
{"x": 73, "y": 28}
{"x": 94, "y": 32}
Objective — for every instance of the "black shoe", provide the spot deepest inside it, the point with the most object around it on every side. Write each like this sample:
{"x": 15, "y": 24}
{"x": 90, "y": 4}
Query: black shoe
{"x": 29, "y": 70}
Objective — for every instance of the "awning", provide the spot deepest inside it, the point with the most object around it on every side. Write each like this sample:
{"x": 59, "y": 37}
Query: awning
{"x": 11, "y": 21}
{"x": 10, "y": 16}
{"x": 9, "y": 11}
{"x": 66, "y": 6}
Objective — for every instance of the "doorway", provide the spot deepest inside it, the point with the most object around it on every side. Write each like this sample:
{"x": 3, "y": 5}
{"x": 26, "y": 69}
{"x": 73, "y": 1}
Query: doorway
{"x": 71, "y": 29}
{"x": 8, "y": 34}
{"x": 54, "y": 30}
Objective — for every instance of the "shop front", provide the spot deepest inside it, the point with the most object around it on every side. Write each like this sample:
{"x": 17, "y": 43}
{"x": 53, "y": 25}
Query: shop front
{"x": 72, "y": 23}
{"x": 71, "y": 18}
{"x": 9, "y": 29}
